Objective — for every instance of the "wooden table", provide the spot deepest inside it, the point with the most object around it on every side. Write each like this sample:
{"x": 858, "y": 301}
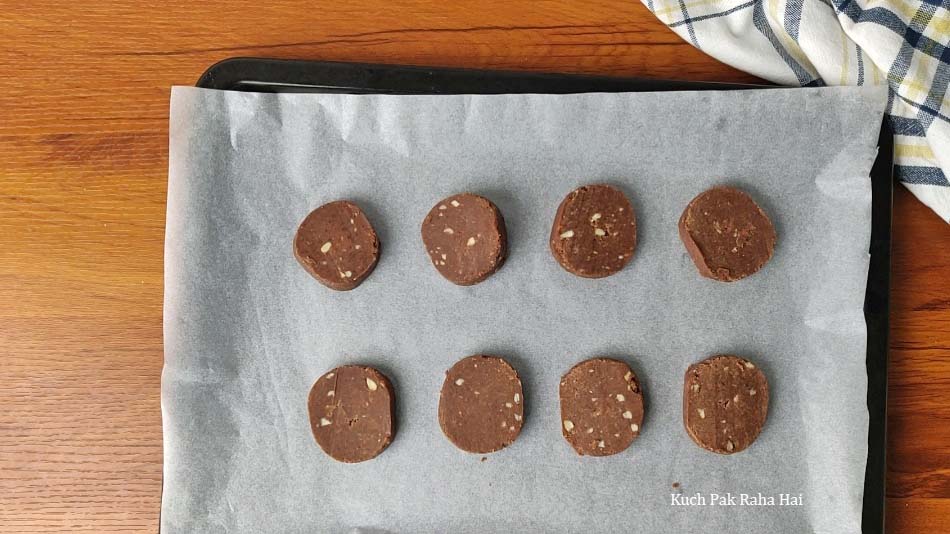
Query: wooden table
{"x": 83, "y": 148}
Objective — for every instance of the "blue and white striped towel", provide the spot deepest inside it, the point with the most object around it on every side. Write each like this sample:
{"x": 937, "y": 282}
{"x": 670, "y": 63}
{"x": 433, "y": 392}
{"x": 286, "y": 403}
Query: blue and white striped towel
{"x": 903, "y": 43}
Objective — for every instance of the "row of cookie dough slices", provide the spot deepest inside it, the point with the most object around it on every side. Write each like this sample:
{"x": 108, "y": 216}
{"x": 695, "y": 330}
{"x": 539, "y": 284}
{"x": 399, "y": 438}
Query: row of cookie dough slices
{"x": 481, "y": 407}
{"x": 594, "y": 235}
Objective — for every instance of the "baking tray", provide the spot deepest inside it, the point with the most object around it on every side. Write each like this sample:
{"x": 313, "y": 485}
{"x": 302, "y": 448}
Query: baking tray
{"x": 294, "y": 76}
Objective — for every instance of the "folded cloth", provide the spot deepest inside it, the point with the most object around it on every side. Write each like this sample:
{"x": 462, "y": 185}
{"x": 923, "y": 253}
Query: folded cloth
{"x": 903, "y": 43}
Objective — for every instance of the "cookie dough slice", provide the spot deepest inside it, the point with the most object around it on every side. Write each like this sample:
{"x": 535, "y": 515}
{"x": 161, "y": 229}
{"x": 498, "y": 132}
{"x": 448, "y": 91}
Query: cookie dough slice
{"x": 725, "y": 403}
{"x": 594, "y": 232}
{"x": 465, "y": 238}
{"x": 727, "y": 234}
{"x": 481, "y": 406}
{"x": 337, "y": 245}
{"x": 601, "y": 407}
{"x": 352, "y": 413}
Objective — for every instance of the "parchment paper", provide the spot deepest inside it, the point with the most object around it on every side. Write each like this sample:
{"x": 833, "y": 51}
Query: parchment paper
{"x": 247, "y": 331}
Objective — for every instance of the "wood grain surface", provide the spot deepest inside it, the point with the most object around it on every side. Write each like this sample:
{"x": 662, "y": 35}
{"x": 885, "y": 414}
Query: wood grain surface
{"x": 83, "y": 153}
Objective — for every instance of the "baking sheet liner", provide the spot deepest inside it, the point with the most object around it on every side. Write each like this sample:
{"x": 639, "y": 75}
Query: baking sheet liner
{"x": 247, "y": 331}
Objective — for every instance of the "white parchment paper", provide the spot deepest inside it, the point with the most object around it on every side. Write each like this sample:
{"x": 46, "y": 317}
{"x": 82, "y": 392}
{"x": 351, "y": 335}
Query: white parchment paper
{"x": 247, "y": 331}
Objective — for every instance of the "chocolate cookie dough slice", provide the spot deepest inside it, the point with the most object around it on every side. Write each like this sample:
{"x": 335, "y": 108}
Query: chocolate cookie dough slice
{"x": 725, "y": 403}
{"x": 595, "y": 231}
{"x": 337, "y": 245}
{"x": 481, "y": 406}
{"x": 727, "y": 234}
{"x": 601, "y": 407}
{"x": 352, "y": 413}
{"x": 465, "y": 238}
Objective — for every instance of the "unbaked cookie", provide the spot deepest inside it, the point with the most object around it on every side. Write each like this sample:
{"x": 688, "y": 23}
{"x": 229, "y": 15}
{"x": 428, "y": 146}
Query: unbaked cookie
{"x": 601, "y": 407}
{"x": 727, "y": 234}
{"x": 725, "y": 403}
{"x": 594, "y": 232}
{"x": 481, "y": 406}
{"x": 465, "y": 238}
{"x": 352, "y": 413}
{"x": 337, "y": 245}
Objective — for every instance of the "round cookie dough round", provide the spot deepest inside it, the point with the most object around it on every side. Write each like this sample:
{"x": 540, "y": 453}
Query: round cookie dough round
{"x": 481, "y": 406}
{"x": 337, "y": 245}
{"x": 601, "y": 407}
{"x": 352, "y": 413}
{"x": 465, "y": 238}
{"x": 727, "y": 234}
{"x": 725, "y": 403}
{"x": 595, "y": 231}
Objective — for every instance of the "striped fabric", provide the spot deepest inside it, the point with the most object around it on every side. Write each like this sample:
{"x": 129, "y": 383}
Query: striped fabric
{"x": 903, "y": 43}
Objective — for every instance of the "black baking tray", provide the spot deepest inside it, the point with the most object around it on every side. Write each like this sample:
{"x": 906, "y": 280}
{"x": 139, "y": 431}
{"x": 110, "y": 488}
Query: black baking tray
{"x": 293, "y": 76}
